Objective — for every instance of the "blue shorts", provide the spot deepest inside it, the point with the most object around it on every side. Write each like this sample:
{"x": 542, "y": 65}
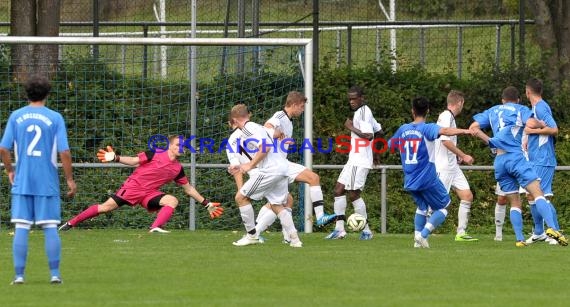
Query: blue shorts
{"x": 513, "y": 170}
{"x": 546, "y": 175}
{"x": 434, "y": 197}
{"x": 32, "y": 209}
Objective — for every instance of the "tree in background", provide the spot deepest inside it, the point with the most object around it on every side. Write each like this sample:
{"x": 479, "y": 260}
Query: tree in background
{"x": 552, "y": 18}
{"x": 34, "y": 18}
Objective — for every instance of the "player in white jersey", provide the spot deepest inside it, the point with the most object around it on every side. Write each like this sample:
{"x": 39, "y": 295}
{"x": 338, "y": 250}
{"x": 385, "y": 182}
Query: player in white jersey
{"x": 270, "y": 182}
{"x": 447, "y": 159}
{"x": 237, "y": 155}
{"x": 280, "y": 126}
{"x": 363, "y": 128}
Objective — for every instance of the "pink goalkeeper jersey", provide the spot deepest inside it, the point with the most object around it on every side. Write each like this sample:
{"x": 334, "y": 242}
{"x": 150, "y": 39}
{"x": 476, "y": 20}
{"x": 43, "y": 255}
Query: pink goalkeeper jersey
{"x": 154, "y": 171}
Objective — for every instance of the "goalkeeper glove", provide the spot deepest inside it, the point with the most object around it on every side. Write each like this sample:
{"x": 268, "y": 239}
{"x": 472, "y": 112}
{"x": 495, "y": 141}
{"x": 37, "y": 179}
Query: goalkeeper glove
{"x": 107, "y": 155}
{"x": 215, "y": 209}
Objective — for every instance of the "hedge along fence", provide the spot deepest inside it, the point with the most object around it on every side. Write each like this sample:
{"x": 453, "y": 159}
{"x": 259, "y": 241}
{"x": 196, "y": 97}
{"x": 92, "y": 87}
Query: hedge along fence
{"x": 388, "y": 95}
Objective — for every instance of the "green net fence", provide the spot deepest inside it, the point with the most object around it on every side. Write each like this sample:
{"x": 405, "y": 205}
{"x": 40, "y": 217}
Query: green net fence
{"x": 112, "y": 101}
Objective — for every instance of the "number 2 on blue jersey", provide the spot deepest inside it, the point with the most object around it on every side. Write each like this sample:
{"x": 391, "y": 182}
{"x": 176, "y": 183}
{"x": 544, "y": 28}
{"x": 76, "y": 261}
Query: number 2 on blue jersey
{"x": 38, "y": 134}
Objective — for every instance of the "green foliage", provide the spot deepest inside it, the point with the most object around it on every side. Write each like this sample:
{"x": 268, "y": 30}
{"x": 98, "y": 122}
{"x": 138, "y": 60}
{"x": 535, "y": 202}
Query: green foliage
{"x": 446, "y": 8}
{"x": 389, "y": 95}
{"x": 102, "y": 107}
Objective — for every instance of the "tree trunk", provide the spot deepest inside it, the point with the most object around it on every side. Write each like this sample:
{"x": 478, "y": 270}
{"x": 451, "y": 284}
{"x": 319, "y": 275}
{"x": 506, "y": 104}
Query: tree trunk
{"x": 552, "y": 19}
{"x": 22, "y": 23}
{"x": 34, "y": 18}
{"x": 564, "y": 40}
{"x": 46, "y": 57}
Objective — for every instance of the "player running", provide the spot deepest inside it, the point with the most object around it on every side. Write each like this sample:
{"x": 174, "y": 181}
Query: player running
{"x": 415, "y": 144}
{"x": 282, "y": 127}
{"x": 447, "y": 155}
{"x": 269, "y": 182}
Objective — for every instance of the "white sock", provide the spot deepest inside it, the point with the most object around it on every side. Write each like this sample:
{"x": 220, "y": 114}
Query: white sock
{"x": 339, "y": 209}
{"x": 265, "y": 220}
{"x": 248, "y": 217}
{"x": 500, "y": 212}
{"x": 261, "y": 212}
{"x": 288, "y": 225}
{"x": 317, "y": 196}
{"x": 463, "y": 216}
{"x": 360, "y": 208}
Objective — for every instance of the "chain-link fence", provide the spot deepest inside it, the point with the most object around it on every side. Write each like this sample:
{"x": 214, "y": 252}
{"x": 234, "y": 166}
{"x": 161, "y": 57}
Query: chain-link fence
{"x": 441, "y": 35}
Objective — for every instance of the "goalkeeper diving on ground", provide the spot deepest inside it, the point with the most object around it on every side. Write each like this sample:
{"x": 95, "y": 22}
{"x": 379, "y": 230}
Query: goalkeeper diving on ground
{"x": 142, "y": 187}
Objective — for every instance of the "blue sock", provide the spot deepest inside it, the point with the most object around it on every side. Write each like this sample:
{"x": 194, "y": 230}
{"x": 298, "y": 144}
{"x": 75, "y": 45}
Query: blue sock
{"x": 544, "y": 209}
{"x": 20, "y": 250}
{"x": 53, "y": 249}
{"x": 537, "y": 219}
{"x": 517, "y": 222}
{"x": 554, "y": 215}
{"x": 436, "y": 219}
{"x": 419, "y": 222}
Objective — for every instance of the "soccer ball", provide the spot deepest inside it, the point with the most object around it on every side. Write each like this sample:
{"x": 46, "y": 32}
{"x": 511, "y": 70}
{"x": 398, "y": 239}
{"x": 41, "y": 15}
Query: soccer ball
{"x": 356, "y": 222}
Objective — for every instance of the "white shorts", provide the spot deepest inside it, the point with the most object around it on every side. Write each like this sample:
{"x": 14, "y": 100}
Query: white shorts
{"x": 453, "y": 178}
{"x": 294, "y": 170}
{"x": 353, "y": 177}
{"x": 500, "y": 192}
{"x": 274, "y": 188}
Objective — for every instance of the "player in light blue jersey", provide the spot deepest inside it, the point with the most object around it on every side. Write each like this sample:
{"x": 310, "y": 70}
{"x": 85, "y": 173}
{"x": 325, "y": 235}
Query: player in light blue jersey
{"x": 415, "y": 143}
{"x": 36, "y": 134}
{"x": 541, "y": 154}
{"x": 512, "y": 169}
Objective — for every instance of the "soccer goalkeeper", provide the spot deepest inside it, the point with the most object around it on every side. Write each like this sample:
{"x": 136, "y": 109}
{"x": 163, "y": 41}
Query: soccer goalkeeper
{"x": 154, "y": 169}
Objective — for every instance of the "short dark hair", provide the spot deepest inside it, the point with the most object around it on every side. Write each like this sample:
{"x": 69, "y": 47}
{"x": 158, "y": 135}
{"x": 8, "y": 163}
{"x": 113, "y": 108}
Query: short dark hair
{"x": 420, "y": 105}
{"x": 37, "y": 88}
{"x": 357, "y": 90}
{"x": 455, "y": 97}
{"x": 535, "y": 86}
{"x": 511, "y": 93}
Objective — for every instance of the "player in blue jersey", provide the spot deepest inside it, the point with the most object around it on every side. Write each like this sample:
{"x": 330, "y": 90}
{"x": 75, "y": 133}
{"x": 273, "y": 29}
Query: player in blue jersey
{"x": 540, "y": 148}
{"x": 512, "y": 169}
{"x": 415, "y": 143}
{"x": 36, "y": 134}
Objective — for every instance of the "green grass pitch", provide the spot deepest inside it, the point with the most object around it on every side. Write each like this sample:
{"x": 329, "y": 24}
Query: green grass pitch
{"x": 202, "y": 268}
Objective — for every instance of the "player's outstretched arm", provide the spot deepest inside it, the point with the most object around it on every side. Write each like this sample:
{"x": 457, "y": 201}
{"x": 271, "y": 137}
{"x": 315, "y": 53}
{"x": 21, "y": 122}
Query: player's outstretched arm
{"x": 65, "y": 157}
{"x": 453, "y": 131}
{"x": 109, "y": 155}
{"x": 477, "y": 132}
{"x": 214, "y": 209}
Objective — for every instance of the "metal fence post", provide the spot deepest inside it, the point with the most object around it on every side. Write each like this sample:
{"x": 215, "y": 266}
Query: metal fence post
{"x": 498, "y": 48}
{"x": 349, "y": 45}
{"x": 145, "y": 53}
{"x": 459, "y": 52}
{"x": 383, "y": 199}
{"x": 378, "y": 46}
{"x": 422, "y": 47}
{"x": 338, "y": 48}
